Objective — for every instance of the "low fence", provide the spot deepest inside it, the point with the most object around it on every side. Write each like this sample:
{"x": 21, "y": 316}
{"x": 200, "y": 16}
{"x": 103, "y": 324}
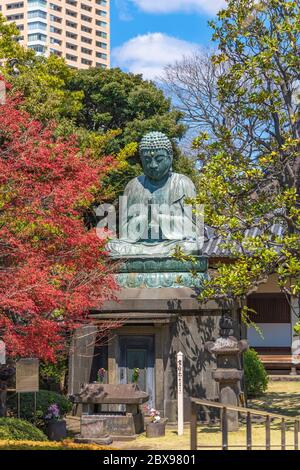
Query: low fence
{"x": 197, "y": 404}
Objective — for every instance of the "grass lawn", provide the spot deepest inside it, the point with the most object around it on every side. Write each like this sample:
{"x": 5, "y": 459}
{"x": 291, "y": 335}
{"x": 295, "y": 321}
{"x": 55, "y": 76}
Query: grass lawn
{"x": 281, "y": 397}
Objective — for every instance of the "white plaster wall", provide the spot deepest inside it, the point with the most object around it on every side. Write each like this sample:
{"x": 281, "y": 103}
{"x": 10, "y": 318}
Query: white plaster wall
{"x": 274, "y": 335}
{"x": 295, "y": 315}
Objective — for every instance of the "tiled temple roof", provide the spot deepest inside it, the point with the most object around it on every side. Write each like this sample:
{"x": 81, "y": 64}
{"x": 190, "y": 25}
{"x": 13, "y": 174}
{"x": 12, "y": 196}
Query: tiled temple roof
{"x": 214, "y": 245}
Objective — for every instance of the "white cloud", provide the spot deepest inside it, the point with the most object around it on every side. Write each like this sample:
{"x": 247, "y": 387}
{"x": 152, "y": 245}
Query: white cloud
{"x": 171, "y": 6}
{"x": 123, "y": 10}
{"x": 150, "y": 53}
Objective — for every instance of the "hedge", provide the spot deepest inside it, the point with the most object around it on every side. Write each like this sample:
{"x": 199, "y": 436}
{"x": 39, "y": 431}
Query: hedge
{"x": 44, "y": 399}
{"x": 19, "y": 430}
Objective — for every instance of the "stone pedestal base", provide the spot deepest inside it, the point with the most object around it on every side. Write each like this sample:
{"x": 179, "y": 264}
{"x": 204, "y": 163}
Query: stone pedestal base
{"x": 93, "y": 440}
{"x": 229, "y": 383}
{"x": 93, "y": 429}
{"x": 124, "y": 427}
{"x": 228, "y": 397}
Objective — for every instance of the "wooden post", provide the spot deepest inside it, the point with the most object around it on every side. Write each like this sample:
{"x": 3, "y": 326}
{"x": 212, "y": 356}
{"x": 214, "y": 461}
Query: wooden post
{"x": 249, "y": 431}
{"x": 296, "y": 435}
{"x": 224, "y": 419}
{"x": 193, "y": 425}
{"x": 35, "y": 403}
{"x": 282, "y": 434}
{"x": 19, "y": 404}
{"x": 268, "y": 433}
{"x": 180, "y": 393}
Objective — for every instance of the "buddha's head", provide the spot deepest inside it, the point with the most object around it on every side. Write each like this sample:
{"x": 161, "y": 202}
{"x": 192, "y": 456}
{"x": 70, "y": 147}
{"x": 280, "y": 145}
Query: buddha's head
{"x": 156, "y": 154}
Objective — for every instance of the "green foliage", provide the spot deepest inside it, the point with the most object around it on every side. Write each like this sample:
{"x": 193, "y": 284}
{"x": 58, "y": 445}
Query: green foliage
{"x": 256, "y": 378}
{"x": 250, "y": 176}
{"x": 117, "y": 100}
{"x": 297, "y": 328}
{"x": 135, "y": 375}
{"x": 9, "y": 47}
{"x": 44, "y": 399}
{"x": 43, "y": 81}
{"x": 185, "y": 165}
{"x": 19, "y": 429}
{"x": 123, "y": 103}
{"x": 54, "y": 371}
{"x": 44, "y": 84}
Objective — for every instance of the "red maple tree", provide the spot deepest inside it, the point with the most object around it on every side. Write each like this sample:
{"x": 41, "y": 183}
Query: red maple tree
{"x": 52, "y": 268}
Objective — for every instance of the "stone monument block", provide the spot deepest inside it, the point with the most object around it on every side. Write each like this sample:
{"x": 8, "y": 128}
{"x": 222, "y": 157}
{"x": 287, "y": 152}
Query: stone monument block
{"x": 93, "y": 429}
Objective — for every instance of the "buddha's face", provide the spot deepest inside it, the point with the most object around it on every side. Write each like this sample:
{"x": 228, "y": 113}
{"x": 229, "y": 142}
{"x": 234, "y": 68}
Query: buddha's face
{"x": 156, "y": 163}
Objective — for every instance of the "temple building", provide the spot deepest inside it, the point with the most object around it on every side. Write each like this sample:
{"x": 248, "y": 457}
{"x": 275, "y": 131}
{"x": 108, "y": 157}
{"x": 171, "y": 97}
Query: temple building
{"x": 276, "y": 315}
{"x": 157, "y": 307}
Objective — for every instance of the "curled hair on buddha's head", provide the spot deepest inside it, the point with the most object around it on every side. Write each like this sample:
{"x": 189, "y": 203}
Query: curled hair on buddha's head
{"x": 154, "y": 141}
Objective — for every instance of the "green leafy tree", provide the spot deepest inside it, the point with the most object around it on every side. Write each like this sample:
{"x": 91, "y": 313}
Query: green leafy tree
{"x": 250, "y": 176}
{"x": 117, "y": 100}
{"x": 9, "y": 47}
{"x": 43, "y": 81}
{"x": 124, "y": 103}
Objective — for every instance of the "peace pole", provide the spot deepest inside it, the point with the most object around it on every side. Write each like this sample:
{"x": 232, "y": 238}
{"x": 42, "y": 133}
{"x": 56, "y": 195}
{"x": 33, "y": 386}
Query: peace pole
{"x": 180, "y": 392}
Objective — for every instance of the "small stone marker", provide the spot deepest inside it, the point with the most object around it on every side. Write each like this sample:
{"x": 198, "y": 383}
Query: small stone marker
{"x": 180, "y": 392}
{"x": 2, "y": 352}
{"x": 27, "y": 375}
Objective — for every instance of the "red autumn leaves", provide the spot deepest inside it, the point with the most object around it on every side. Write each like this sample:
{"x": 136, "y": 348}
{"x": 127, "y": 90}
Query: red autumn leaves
{"x": 52, "y": 269}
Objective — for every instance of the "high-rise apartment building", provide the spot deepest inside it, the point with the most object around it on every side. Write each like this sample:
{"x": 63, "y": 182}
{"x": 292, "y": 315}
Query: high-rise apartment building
{"x": 78, "y": 30}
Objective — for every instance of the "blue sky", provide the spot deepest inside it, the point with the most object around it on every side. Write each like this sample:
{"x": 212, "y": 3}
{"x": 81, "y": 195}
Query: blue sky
{"x": 147, "y": 35}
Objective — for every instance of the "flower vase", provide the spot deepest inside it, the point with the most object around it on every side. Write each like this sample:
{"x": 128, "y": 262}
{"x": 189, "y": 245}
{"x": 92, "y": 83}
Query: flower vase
{"x": 56, "y": 430}
{"x": 156, "y": 429}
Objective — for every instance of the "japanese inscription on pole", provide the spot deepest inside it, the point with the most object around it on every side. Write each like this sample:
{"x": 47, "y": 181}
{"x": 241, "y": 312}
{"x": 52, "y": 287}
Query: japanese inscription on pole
{"x": 180, "y": 392}
{"x": 179, "y": 372}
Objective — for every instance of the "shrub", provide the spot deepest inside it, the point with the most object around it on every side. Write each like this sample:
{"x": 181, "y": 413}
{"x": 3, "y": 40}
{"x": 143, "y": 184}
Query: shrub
{"x": 52, "y": 375}
{"x": 44, "y": 399}
{"x": 50, "y": 445}
{"x": 19, "y": 430}
{"x": 256, "y": 378}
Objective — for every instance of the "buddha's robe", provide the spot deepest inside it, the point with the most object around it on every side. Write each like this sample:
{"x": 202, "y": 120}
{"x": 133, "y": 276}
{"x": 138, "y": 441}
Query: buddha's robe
{"x": 157, "y": 218}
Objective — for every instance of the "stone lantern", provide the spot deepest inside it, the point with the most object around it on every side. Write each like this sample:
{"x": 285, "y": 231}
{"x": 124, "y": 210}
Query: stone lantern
{"x": 228, "y": 351}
